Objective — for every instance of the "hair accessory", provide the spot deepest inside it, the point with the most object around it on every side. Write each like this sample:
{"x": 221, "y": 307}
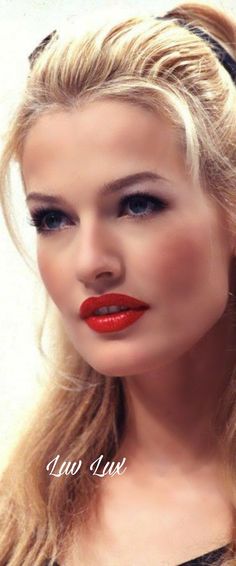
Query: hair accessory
{"x": 40, "y": 47}
{"x": 224, "y": 57}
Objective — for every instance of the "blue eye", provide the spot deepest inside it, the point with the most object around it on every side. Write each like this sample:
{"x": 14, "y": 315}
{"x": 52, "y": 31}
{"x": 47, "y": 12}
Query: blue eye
{"x": 140, "y": 200}
{"x": 40, "y": 218}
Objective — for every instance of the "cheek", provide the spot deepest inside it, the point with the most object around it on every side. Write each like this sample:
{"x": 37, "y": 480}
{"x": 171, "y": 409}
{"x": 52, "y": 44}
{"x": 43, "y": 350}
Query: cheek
{"x": 181, "y": 264}
{"x": 52, "y": 275}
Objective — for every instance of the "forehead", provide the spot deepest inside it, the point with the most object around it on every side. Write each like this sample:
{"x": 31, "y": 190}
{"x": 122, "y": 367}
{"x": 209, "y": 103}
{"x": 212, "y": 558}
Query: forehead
{"x": 100, "y": 135}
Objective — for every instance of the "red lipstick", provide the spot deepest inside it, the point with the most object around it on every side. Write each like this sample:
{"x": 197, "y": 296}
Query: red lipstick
{"x": 112, "y": 322}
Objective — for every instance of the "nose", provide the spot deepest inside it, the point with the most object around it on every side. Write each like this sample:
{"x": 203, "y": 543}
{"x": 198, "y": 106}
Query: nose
{"x": 98, "y": 260}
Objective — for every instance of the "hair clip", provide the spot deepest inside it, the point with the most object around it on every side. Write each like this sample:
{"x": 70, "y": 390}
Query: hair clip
{"x": 40, "y": 47}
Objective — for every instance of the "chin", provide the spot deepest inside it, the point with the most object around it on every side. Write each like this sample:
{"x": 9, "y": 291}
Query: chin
{"x": 125, "y": 369}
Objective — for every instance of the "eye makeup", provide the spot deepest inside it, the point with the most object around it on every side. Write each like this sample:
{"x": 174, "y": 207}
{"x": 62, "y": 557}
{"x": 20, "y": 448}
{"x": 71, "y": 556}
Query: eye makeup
{"x": 156, "y": 205}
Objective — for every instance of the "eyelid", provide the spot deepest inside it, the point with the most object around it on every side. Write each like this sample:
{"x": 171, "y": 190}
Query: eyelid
{"x": 159, "y": 203}
{"x": 113, "y": 196}
{"x": 121, "y": 199}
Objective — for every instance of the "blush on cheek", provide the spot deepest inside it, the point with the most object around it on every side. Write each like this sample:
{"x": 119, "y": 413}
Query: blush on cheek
{"x": 183, "y": 266}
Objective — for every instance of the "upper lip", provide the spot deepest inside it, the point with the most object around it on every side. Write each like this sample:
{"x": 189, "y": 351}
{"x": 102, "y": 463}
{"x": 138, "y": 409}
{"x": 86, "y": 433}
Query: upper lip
{"x": 112, "y": 299}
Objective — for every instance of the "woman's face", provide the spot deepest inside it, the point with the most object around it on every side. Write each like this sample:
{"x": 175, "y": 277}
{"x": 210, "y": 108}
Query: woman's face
{"x": 175, "y": 258}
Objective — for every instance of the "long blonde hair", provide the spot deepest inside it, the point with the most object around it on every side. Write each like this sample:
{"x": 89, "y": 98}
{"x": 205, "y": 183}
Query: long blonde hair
{"x": 163, "y": 67}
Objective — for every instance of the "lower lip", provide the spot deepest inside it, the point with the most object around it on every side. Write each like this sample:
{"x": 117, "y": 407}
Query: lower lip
{"x": 115, "y": 321}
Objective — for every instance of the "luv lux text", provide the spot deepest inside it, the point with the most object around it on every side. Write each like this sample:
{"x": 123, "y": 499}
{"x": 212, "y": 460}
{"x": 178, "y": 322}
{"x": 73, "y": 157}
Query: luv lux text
{"x": 72, "y": 468}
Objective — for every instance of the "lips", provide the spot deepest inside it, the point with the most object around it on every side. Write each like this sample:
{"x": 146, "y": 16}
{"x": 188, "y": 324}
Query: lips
{"x": 112, "y": 299}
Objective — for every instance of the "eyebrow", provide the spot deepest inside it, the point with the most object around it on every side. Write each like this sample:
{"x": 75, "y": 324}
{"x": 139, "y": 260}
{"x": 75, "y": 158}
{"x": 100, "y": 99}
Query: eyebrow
{"x": 108, "y": 188}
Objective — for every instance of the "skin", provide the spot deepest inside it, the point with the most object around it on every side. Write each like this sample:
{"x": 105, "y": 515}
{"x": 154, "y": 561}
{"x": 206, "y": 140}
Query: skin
{"x": 176, "y": 359}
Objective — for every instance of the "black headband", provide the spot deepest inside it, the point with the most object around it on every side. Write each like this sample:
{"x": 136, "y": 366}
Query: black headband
{"x": 40, "y": 47}
{"x": 224, "y": 57}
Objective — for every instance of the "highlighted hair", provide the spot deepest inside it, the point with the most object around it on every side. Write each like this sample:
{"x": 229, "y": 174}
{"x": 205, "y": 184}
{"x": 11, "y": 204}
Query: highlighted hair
{"x": 163, "y": 67}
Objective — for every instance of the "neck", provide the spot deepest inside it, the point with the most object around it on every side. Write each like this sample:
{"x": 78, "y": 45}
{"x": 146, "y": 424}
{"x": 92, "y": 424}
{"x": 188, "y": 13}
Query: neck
{"x": 170, "y": 412}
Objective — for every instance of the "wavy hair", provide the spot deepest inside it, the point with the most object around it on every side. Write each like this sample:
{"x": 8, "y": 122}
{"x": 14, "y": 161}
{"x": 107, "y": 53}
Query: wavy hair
{"x": 161, "y": 66}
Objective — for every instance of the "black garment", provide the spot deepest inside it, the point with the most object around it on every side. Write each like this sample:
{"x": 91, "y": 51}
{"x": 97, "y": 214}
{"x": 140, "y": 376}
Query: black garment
{"x": 205, "y": 559}
{"x": 208, "y": 558}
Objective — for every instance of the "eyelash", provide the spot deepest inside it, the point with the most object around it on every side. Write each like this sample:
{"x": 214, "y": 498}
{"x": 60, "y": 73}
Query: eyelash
{"x": 38, "y": 215}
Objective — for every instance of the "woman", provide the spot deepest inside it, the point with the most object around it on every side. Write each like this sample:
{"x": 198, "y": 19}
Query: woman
{"x": 126, "y": 141}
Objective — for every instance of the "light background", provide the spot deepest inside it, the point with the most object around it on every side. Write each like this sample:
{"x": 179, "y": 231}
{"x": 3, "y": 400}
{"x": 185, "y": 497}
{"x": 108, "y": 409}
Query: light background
{"x": 23, "y": 24}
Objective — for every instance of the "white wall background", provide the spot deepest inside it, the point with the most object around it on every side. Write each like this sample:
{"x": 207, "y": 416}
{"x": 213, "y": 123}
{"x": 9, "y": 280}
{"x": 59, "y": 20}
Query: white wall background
{"x": 23, "y": 24}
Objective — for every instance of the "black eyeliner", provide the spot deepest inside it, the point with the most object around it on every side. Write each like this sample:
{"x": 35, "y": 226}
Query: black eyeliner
{"x": 38, "y": 215}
